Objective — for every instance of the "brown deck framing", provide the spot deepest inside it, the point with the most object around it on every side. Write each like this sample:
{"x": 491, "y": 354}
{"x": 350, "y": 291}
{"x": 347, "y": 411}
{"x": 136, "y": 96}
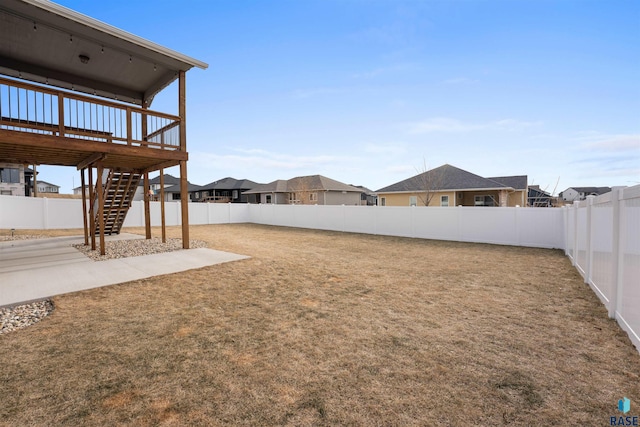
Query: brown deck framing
{"x": 32, "y": 148}
{"x": 139, "y": 141}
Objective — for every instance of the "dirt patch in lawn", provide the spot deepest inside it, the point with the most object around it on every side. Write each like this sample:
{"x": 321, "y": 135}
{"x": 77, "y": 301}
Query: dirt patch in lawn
{"x": 325, "y": 328}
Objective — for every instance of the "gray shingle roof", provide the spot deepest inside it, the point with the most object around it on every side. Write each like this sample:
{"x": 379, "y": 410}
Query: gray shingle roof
{"x": 592, "y": 190}
{"x": 176, "y": 188}
{"x": 517, "y": 182}
{"x": 445, "y": 177}
{"x": 230, "y": 184}
{"x": 168, "y": 180}
{"x": 307, "y": 183}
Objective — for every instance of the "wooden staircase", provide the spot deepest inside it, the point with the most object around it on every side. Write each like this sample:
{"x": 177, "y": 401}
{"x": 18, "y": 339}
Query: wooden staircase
{"x": 118, "y": 190}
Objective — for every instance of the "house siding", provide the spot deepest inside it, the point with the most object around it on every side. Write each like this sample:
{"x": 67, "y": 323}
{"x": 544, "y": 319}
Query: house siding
{"x": 456, "y": 198}
{"x": 403, "y": 199}
{"x": 13, "y": 188}
{"x": 339, "y": 198}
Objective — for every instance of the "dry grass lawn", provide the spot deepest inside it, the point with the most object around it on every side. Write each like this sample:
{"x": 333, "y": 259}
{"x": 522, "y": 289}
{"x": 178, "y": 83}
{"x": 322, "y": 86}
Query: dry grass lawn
{"x": 326, "y": 328}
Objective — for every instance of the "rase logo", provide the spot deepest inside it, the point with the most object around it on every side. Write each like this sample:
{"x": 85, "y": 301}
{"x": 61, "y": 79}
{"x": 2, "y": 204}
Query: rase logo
{"x": 624, "y": 406}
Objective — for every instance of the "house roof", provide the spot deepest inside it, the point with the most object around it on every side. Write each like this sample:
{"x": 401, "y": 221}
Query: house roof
{"x": 168, "y": 180}
{"x": 447, "y": 177}
{"x": 591, "y": 190}
{"x": 176, "y": 188}
{"x": 364, "y": 189}
{"x": 229, "y": 183}
{"x": 303, "y": 183}
{"x": 42, "y": 41}
{"x": 537, "y": 191}
{"x": 517, "y": 182}
{"x": 47, "y": 183}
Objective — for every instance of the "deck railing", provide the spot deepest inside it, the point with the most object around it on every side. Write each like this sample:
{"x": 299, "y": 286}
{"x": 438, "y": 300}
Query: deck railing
{"x": 29, "y": 108}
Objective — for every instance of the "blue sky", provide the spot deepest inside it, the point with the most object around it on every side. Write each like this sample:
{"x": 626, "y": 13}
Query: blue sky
{"x": 369, "y": 91}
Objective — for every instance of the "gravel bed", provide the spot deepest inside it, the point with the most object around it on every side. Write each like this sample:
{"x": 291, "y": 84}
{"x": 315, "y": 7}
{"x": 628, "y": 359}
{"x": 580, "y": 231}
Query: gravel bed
{"x": 136, "y": 247}
{"x": 22, "y": 237}
{"x": 21, "y": 316}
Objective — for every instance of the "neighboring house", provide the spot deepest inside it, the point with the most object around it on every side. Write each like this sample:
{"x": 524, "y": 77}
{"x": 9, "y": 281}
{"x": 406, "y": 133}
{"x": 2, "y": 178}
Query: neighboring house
{"x": 574, "y": 194}
{"x": 46, "y": 187}
{"x": 78, "y": 190}
{"x": 16, "y": 180}
{"x": 229, "y": 190}
{"x": 367, "y": 197}
{"x": 173, "y": 193}
{"x": 28, "y": 182}
{"x": 451, "y": 186}
{"x": 12, "y": 179}
{"x": 307, "y": 190}
{"x": 154, "y": 184}
{"x": 539, "y": 198}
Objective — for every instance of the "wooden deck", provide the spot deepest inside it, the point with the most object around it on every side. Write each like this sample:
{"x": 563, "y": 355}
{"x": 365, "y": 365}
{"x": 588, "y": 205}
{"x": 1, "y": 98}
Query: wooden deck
{"x": 39, "y": 125}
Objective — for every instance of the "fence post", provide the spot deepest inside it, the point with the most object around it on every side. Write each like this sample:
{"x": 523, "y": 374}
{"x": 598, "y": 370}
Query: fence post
{"x": 589, "y": 257}
{"x": 516, "y": 219}
{"x": 615, "y": 253}
{"x": 459, "y": 225}
{"x": 574, "y": 259}
{"x": 565, "y": 219}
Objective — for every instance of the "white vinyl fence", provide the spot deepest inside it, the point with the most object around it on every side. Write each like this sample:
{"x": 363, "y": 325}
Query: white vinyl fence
{"x": 603, "y": 242}
{"x": 534, "y": 227}
{"x": 601, "y": 236}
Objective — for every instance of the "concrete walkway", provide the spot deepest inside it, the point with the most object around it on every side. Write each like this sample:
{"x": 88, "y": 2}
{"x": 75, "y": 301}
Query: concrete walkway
{"x": 41, "y": 268}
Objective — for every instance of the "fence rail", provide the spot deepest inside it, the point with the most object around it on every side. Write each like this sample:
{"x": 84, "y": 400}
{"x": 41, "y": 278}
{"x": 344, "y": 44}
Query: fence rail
{"x": 29, "y": 108}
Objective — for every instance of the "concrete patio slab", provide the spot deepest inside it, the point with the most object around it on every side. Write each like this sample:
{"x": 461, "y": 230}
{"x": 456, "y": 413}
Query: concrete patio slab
{"x": 36, "y": 269}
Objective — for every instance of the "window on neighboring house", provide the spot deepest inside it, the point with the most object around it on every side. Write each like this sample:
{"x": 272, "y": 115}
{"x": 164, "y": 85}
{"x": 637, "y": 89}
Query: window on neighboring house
{"x": 413, "y": 200}
{"x": 10, "y": 175}
{"x": 444, "y": 200}
{"x": 383, "y": 201}
{"x": 234, "y": 194}
{"x": 197, "y": 194}
{"x": 293, "y": 198}
{"x": 267, "y": 198}
{"x": 313, "y": 197}
{"x": 483, "y": 201}
{"x": 175, "y": 196}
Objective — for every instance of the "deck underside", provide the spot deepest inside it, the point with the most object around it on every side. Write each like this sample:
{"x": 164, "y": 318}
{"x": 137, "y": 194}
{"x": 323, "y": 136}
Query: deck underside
{"x": 31, "y": 148}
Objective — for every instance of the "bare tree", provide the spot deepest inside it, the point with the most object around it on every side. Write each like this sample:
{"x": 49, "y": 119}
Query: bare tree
{"x": 426, "y": 183}
{"x": 302, "y": 191}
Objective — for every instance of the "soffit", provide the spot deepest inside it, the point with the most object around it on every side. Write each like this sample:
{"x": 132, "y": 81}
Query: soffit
{"x": 42, "y": 41}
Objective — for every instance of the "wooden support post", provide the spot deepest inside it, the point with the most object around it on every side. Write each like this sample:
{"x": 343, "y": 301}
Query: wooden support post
{"x": 184, "y": 191}
{"x": 164, "y": 227}
{"x": 147, "y": 187}
{"x": 147, "y": 210}
{"x": 92, "y": 216}
{"x": 100, "y": 191}
{"x": 84, "y": 208}
{"x": 184, "y": 201}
